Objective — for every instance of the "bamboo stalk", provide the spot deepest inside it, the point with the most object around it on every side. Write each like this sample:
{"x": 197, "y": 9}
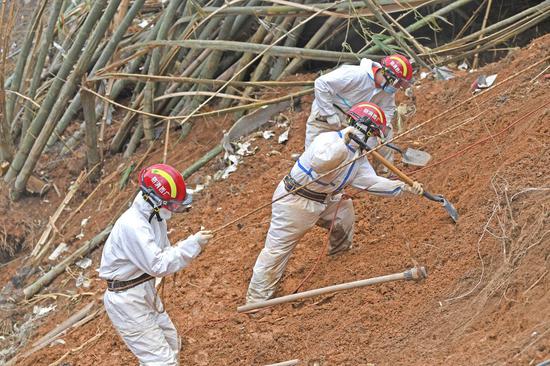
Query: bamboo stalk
{"x": 422, "y": 22}
{"x": 211, "y": 113}
{"x": 280, "y": 51}
{"x": 40, "y": 246}
{"x": 50, "y": 117}
{"x": 540, "y": 8}
{"x": 107, "y": 53}
{"x": 22, "y": 61}
{"x": 202, "y": 161}
{"x": 38, "y": 122}
{"x": 294, "y": 9}
{"x": 92, "y": 153}
{"x": 312, "y": 43}
{"x": 47, "y": 278}
{"x": 40, "y": 61}
{"x": 398, "y": 36}
{"x": 483, "y": 25}
{"x": 149, "y": 92}
{"x": 6, "y": 143}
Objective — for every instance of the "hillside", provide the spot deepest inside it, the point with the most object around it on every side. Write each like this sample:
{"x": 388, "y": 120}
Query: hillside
{"x": 485, "y": 301}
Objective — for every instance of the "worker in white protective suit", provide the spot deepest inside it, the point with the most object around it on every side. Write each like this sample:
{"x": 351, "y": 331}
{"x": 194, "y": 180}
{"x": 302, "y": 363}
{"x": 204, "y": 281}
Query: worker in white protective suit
{"x": 315, "y": 204}
{"x": 138, "y": 251}
{"x": 370, "y": 81}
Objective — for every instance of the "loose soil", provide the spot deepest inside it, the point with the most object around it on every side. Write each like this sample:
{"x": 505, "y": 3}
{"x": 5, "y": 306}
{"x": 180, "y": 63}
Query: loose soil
{"x": 485, "y": 301}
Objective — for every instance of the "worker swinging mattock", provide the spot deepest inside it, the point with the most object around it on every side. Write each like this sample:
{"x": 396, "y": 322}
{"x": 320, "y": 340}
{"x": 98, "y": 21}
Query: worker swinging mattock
{"x": 370, "y": 81}
{"x": 315, "y": 204}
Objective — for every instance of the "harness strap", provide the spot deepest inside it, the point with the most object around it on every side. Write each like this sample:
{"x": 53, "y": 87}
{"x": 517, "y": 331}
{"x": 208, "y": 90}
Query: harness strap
{"x": 117, "y": 286}
{"x": 291, "y": 185}
{"x": 156, "y": 209}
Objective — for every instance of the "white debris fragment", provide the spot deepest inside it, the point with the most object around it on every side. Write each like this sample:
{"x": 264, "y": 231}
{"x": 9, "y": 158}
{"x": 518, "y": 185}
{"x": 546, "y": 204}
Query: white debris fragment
{"x": 483, "y": 82}
{"x": 84, "y": 263}
{"x": 243, "y": 149}
{"x": 424, "y": 75}
{"x": 84, "y": 222}
{"x": 80, "y": 236}
{"x": 198, "y": 188}
{"x": 62, "y": 247}
{"x": 40, "y": 311}
{"x": 284, "y": 136}
{"x": 230, "y": 169}
{"x": 57, "y": 341}
{"x": 463, "y": 66}
{"x": 143, "y": 24}
{"x": 59, "y": 48}
{"x": 83, "y": 281}
{"x": 268, "y": 134}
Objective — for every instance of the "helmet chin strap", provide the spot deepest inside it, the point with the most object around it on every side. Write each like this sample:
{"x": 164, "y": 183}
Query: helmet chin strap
{"x": 156, "y": 209}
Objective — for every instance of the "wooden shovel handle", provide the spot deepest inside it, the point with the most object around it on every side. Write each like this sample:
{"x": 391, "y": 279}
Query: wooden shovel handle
{"x": 393, "y": 168}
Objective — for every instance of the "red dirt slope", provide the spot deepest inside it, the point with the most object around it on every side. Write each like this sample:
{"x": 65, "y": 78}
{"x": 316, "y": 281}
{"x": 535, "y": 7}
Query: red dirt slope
{"x": 486, "y": 299}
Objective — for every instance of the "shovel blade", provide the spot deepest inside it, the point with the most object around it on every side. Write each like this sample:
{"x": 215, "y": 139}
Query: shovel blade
{"x": 448, "y": 206}
{"x": 451, "y": 210}
{"x": 416, "y": 157}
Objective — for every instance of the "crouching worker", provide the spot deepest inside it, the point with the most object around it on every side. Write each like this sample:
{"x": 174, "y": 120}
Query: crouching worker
{"x": 295, "y": 214}
{"x": 136, "y": 252}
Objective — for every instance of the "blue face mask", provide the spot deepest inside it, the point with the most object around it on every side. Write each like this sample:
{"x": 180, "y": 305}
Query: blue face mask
{"x": 390, "y": 89}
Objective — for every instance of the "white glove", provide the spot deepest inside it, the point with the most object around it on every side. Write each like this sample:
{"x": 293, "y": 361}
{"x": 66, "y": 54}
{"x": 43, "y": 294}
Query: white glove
{"x": 415, "y": 189}
{"x": 346, "y": 132}
{"x": 203, "y": 237}
{"x": 334, "y": 119}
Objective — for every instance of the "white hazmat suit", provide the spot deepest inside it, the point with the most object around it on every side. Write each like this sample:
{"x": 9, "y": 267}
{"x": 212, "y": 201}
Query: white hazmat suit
{"x": 134, "y": 247}
{"x": 345, "y": 87}
{"x": 293, "y": 215}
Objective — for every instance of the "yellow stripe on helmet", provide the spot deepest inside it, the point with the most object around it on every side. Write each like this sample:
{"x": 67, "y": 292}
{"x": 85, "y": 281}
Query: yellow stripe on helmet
{"x": 374, "y": 106}
{"x": 169, "y": 179}
{"x": 402, "y": 64}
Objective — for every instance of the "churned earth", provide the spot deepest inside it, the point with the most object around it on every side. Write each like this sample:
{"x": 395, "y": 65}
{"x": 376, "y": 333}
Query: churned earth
{"x": 485, "y": 301}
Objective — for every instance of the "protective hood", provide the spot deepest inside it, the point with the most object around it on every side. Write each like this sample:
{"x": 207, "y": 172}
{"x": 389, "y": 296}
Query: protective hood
{"x": 327, "y": 153}
{"x": 369, "y": 66}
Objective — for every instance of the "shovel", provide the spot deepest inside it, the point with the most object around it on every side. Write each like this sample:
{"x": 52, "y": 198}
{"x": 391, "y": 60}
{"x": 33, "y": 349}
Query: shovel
{"x": 453, "y": 213}
{"x": 412, "y": 156}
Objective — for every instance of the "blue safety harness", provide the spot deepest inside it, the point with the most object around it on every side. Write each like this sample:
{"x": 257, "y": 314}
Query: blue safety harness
{"x": 309, "y": 172}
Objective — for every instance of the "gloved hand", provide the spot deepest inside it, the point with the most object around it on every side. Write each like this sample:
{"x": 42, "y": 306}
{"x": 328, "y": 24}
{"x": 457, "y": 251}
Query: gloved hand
{"x": 334, "y": 119}
{"x": 346, "y": 132}
{"x": 415, "y": 189}
{"x": 203, "y": 237}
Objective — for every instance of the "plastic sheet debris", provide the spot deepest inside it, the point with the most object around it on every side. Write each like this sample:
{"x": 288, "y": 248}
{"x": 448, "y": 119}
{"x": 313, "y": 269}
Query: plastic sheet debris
{"x": 84, "y": 222}
{"x": 40, "y": 311}
{"x": 62, "y": 247}
{"x": 284, "y": 137}
{"x": 143, "y": 24}
{"x": 83, "y": 281}
{"x": 56, "y": 342}
{"x": 84, "y": 263}
{"x": 483, "y": 82}
{"x": 268, "y": 134}
{"x": 443, "y": 73}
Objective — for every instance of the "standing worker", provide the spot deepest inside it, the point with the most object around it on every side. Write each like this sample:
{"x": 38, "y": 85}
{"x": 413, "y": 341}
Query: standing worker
{"x": 136, "y": 252}
{"x": 348, "y": 85}
{"x": 293, "y": 215}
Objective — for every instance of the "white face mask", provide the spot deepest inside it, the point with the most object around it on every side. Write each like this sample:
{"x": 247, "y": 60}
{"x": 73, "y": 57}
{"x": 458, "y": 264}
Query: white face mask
{"x": 165, "y": 214}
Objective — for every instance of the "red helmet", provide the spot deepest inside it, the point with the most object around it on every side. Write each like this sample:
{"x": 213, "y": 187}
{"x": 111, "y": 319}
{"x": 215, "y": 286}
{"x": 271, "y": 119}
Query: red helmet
{"x": 368, "y": 118}
{"x": 397, "y": 69}
{"x": 165, "y": 187}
